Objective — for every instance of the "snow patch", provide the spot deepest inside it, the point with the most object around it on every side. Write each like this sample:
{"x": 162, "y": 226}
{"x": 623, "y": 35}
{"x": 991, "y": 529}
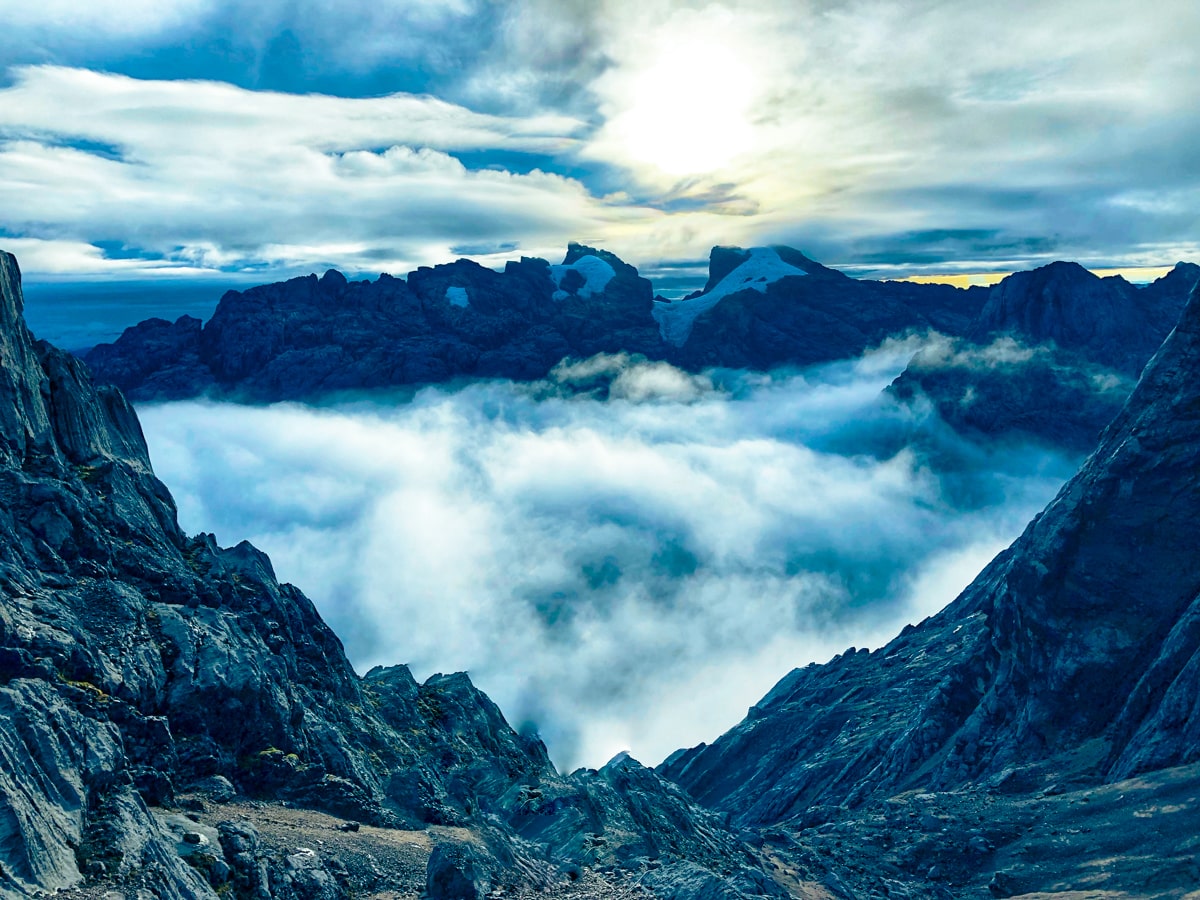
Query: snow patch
{"x": 595, "y": 271}
{"x": 457, "y": 296}
{"x": 762, "y": 268}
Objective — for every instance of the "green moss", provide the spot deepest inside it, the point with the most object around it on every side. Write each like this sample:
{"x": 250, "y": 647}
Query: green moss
{"x": 88, "y": 474}
{"x": 98, "y": 693}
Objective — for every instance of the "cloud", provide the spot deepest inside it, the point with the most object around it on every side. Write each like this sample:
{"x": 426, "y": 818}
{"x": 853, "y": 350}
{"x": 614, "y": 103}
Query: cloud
{"x": 65, "y": 23}
{"x": 910, "y": 135}
{"x": 626, "y": 556}
{"x": 205, "y": 174}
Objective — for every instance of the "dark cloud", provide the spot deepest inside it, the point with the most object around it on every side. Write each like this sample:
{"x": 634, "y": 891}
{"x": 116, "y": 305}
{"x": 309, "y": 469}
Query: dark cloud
{"x": 626, "y": 555}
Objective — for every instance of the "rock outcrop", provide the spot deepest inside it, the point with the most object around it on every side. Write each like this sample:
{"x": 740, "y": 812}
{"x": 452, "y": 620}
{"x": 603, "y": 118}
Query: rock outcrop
{"x": 137, "y": 664}
{"x": 1076, "y": 650}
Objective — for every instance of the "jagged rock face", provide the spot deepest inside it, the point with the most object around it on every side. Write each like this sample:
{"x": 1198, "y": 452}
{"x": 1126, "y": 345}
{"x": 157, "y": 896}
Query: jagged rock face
{"x": 309, "y": 336}
{"x": 135, "y": 661}
{"x": 1080, "y": 639}
{"x": 1085, "y": 340}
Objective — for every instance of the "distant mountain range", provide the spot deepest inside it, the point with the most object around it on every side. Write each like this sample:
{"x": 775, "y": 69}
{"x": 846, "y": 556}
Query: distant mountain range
{"x": 176, "y": 723}
{"x": 761, "y": 308}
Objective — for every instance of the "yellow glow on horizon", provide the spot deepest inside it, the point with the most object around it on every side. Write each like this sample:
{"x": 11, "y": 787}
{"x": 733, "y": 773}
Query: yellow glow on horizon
{"x": 1135, "y": 274}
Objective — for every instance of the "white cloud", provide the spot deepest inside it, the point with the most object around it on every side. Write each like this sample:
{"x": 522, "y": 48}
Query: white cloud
{"x": 846, "y": 121}
{"x": 634, "y": 571}
{"x": 96, "y": 20}
{"x": 78, "y": 259}
{"x": 861, "y": 129}
{"x": 211, "y": 174}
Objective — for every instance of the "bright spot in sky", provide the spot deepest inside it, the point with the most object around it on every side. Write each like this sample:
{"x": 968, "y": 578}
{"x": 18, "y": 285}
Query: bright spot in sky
{"x": 689, "y": 110}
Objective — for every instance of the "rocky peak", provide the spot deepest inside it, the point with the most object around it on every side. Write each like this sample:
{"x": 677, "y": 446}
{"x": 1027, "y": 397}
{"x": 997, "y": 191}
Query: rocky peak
{"x": 1065, "y": 304}
{"x": 576, "y": 252}
{"x": 25, "y": 426}
{"x": 50, "y": 413}
{"x": 722, "y": 261}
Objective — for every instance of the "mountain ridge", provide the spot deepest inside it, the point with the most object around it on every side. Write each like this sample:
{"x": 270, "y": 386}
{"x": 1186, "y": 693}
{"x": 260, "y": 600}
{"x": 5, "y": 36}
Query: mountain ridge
{"x": 310, "y": 335}
{"x": 1082, "y": 339}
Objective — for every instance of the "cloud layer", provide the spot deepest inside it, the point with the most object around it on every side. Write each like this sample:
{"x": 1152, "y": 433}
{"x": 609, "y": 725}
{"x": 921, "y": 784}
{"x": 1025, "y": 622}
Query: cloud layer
{"x": 893, "y": 134}
{"x": 625, "y": 556}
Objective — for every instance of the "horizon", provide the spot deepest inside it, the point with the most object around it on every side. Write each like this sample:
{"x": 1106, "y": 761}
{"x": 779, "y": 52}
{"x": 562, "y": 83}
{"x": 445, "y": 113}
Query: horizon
{"x": 78, "y": 313}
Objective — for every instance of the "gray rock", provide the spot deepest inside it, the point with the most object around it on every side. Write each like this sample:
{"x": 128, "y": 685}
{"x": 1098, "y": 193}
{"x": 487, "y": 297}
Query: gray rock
{"x": 459, "y": 872}
{"x": 217, "y": 788}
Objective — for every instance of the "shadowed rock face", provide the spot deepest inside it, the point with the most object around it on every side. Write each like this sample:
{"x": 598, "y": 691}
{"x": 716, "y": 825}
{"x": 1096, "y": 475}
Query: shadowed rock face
{"x": 1079, "y": 641}
{"x": 135, "y": 661}
{"x": 309, "y": 336}
{"x": 1087, "y": 339}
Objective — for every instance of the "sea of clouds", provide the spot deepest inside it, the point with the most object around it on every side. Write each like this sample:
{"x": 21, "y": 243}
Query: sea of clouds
{"x": 623, "y": 556}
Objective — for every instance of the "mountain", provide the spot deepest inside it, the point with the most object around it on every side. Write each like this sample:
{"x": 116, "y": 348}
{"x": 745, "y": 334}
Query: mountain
{"x": 762, "y": 308}
{"x": 1067, "y": 672}
{"x": 773, "y": 306}
{"x": 1048, "y": 355}
{"x": 173, "y": 719}
{"x": 1052, "y": 355}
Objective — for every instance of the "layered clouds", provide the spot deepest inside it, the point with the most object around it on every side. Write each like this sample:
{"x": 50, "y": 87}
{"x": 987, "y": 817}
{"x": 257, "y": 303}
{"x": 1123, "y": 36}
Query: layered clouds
{"x": 622, "y": 556}
{"x": 898, "y": 136}
{"x": 207, "y": 175}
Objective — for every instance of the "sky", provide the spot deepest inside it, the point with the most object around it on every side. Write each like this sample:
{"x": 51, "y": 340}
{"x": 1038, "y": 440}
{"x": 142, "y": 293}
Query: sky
{"x": 621, "y": 570}
{"x": 210, "y": 141}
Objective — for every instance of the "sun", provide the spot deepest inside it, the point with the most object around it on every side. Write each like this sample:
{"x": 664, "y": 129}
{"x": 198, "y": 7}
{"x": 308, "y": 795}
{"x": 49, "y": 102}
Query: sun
{"x": 688, "y": 111}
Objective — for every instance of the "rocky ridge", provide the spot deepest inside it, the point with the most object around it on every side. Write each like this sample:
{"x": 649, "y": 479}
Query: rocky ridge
{"x": 308, "y": 336}
{"x": 141, "y": 669}
{"x": 1070, "y": 664}
{"x": 1048, "y": 355}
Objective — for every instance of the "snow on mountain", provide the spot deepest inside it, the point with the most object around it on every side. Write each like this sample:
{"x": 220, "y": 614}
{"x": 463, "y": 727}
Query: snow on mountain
{"x": 762, "y": 268}
{"x": 596, "y": 274}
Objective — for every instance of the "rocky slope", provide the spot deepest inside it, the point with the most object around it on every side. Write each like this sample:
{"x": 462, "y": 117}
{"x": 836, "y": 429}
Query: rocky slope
{"x": 139, "y": 666}
{"x": 1052, "y": 356}
{"x": 761, "y": 308}
{"x": 1074, "y": 658}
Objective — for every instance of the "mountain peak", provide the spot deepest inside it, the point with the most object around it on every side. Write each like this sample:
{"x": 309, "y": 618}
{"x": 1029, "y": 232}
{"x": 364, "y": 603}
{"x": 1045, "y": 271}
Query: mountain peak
{"x": 722, "y": 260}
{"x": 577, "y": 251}
{"x": 1065, "y": 304}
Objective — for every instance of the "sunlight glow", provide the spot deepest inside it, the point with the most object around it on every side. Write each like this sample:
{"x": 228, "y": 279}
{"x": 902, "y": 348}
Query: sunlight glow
{"x": 689, "y": 110}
